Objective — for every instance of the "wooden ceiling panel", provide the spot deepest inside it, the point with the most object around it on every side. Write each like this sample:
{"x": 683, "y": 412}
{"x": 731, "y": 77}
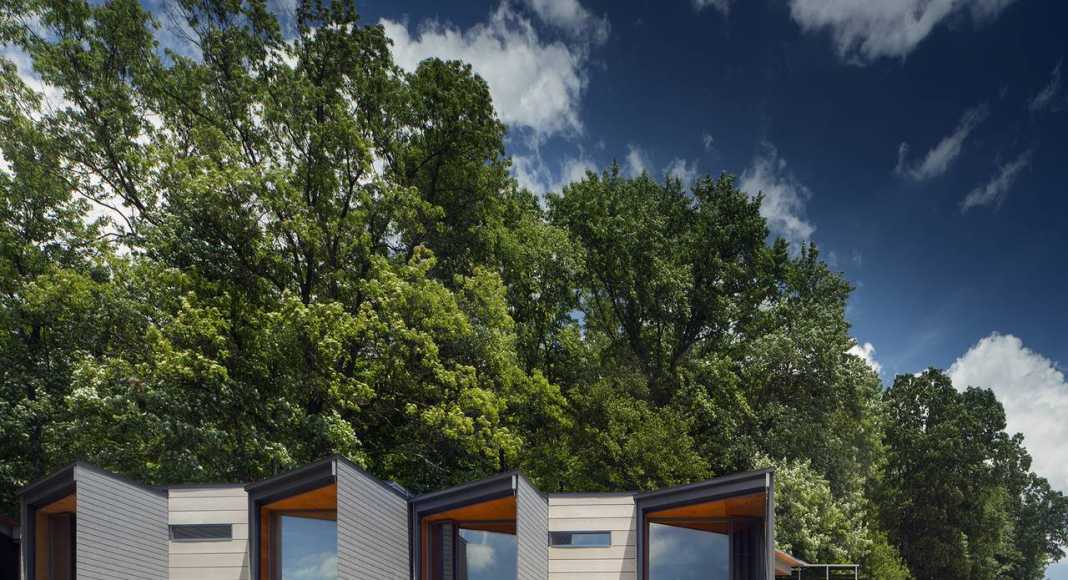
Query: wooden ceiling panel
{"x": 741, "y": 506}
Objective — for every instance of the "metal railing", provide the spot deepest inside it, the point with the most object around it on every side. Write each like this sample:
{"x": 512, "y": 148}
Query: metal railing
{"x": 826, "y": 572}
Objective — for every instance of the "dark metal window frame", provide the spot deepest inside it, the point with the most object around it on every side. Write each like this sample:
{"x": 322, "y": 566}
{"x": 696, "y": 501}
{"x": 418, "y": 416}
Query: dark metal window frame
{"x": 716, "y": 489}
{"x": 553, "y": 544}
{"x": 319, "y": 474}
{"x": 228, "y": 537}
{"x": 496, "y": 487}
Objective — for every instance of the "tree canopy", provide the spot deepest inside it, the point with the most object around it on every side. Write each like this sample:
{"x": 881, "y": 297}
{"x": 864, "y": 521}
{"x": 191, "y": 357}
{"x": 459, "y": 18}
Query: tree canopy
{"x": 220, "y": 266}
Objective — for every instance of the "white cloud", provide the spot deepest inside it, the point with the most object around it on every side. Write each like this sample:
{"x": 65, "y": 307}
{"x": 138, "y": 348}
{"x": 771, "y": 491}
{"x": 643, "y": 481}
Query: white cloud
{"x": 573, "y": 18}
{"x": 480, "y": 557}
{"x": 866, "y": 30}
{"x": 994, "y": 191}
{"x": 52, "y": 97}
{"x": 684, "y": 171}
{"x": 784, "y": 196}
{"x": 723, "y": 6}
{"x": 533, "y": 174}
{"x": 1046, "y": 97}
{"x": 636, "y": 161}
{"x": 866, "y": 352}
{"x": 941, "y": 156}
{"x": 535, "y": 84}
{"x": 708, "y": 141}
{"x": 1033, "y": 391}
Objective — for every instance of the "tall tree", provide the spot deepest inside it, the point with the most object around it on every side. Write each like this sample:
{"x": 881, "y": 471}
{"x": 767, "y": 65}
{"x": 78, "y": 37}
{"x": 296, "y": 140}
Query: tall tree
{"x": 958, "y": 495}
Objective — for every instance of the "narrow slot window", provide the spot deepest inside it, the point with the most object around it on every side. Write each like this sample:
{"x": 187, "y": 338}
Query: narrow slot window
{"x": 580, "y": 539}
{"x": 201, "y": 532}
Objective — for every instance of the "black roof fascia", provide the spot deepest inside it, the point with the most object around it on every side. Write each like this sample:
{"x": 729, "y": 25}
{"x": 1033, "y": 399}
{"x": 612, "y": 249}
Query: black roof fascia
{"x": 495, "y": 487}
{"x": 295, "y": 481}
{"x": 49, "y": 488}
{"x": 708, "y": 490}
{"x": 67, "y": 476}
{"x": 734, "y": 485}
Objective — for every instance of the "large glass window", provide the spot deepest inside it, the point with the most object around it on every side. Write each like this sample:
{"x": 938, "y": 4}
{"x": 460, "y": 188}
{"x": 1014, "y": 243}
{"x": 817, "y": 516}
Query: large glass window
{"x": 688, "y": 552}
{"x": 307, "y": 545}
{"x": 485, "y": 555}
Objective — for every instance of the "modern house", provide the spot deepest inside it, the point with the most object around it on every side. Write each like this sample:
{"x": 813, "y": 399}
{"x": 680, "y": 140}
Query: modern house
{"x": 331, "y": 520}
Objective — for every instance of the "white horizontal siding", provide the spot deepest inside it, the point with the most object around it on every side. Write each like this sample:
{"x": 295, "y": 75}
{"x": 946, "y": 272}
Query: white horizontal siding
{"x": 595, "y": 513}
{"x": 212, "y": 559}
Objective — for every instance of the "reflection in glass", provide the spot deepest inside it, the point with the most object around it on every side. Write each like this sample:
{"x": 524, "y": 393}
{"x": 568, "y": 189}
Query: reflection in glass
{"x": 686, "y": 553}
{"x": 485, "y": 555}
{"x": 308, "y": 546}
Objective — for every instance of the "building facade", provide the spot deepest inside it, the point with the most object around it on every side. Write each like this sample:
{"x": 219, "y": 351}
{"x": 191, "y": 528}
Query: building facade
{"x": 332, "y": 520}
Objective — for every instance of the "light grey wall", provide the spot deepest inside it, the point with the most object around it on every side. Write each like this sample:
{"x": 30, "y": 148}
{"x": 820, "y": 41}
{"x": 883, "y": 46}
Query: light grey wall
{"x": 532, "y": 514}
{"x": 372, "y": 528}
{"x": 121, "y": 529}
{"x": 614, "y": 513}
{"x": 211, "y": 559}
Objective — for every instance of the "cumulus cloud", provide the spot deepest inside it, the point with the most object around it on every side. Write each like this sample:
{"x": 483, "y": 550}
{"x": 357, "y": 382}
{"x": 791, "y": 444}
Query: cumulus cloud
{"x": 994, "y": 191}
{"x": 1046, "y": 98}
{"x": 684, "y": 171}
{"x": 1033, "y": 391}
{"x": 866, "y": 30}
{"x": 723, "y": 6}
{"x": 636, "y": 161}
{"x": 573, "y": 18}
{"x": 941, "y": 156}
{"x": 785, "y": 197}
{"x": 866, "y": 352}
{"x": 532, "y": 173}
{"x": 536, "y": 84}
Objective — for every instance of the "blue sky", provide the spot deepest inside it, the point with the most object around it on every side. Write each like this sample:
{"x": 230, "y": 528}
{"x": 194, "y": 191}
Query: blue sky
{"x": 922, "y": 145}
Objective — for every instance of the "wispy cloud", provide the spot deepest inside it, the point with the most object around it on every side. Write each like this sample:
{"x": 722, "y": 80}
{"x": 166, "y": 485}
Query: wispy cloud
{"x": 572, "y": 17}
{"x": 783, "y": 205}
{"x": 684, "y": 171}
{"x": 942, "y": 155}
{"x": 866, "y": 30}
{"x": 636, "y": 161}
{"x": 723, "y": 6}
{"x": 1047, "y": 97}
{"x": 994, "y": 191}
{"x": 709, "y": 141}
{"x": 532, "y": 173}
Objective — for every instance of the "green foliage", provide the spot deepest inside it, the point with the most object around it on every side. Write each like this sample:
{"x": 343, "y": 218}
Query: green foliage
{"x": 958, "y": 497}
{"x": 219, "y": 267}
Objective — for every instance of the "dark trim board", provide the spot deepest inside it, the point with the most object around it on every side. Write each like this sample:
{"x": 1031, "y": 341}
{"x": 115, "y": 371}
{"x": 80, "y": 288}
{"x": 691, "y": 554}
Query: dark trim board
{"x": 705, "y": 491}
{"x": 428, "y": 504}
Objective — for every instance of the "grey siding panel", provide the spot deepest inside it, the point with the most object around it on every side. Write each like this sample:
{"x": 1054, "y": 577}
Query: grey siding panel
{"x": 372, "y": 528}
{"x": 532, "y": 532}
{"x": 121, "y": 529}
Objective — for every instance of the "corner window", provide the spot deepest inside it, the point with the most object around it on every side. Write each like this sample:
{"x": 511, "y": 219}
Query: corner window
{"x": 307, "y": 545}
{"x": 690, "y": 551}
{"x": 580, "y": 539}
{"x": 485, "y": 555}
{"x": 713, "y": 540}
{"x": 298, "y": 536}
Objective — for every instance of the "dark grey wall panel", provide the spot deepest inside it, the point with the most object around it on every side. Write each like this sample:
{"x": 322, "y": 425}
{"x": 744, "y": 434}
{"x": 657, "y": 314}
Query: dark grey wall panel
{"x": 532, "y": 532}
{"x": 121, "y": 529}
{"x": 372, "y": 527}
